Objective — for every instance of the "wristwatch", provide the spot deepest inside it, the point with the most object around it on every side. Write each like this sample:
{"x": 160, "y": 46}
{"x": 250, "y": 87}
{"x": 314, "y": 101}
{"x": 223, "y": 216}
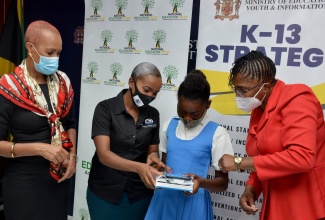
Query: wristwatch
{"x": 237, "y": 161}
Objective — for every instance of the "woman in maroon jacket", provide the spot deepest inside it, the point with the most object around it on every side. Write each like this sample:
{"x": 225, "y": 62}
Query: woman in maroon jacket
{"x": 285, "y": 143}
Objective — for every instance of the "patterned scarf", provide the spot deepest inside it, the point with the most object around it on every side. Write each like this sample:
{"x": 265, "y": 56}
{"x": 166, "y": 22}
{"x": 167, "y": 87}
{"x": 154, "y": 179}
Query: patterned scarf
{"x": 21, "y": 89}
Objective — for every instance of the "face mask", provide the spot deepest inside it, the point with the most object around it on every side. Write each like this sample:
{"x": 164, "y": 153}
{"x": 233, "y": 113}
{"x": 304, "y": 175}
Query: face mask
{"x": 247, "y": 104}
{"x": 140, "y": 99}
{"x": 46, "y": 65}
{"x": 192, "y": 123}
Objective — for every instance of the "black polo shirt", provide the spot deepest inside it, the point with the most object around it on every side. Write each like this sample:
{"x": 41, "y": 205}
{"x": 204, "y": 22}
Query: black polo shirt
{"x": 128, "y": 140}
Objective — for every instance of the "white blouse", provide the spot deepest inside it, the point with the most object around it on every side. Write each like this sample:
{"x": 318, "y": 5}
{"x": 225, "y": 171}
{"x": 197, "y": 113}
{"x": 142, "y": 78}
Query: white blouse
{"x": 221, "y": 141}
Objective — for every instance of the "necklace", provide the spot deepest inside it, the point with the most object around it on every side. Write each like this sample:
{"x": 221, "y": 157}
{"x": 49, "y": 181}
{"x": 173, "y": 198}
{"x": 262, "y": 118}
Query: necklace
{"x": 128, "y": 110}
{"x": 135, "y": 118}
{"x": 135, "y": 115}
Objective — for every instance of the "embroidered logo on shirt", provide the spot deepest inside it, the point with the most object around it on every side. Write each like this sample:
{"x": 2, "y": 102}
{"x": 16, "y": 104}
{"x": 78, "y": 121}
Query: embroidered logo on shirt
{"x": 148, "y": 123}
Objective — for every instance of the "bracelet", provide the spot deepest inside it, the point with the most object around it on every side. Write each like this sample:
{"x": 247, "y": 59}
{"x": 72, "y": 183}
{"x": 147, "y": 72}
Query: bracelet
{"x": 157, "y": 153}
{"x": 12, "y": 150}
{"x": 75, "y": 156}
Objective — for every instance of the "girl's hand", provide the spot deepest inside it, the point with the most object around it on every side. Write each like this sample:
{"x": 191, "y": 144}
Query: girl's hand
{"x": 196, "y": 180}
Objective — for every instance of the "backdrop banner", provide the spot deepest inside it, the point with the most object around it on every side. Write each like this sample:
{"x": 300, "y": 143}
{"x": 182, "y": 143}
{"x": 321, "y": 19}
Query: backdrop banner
{"x": 118, "y": 35}
{"x": 289, "y": 32}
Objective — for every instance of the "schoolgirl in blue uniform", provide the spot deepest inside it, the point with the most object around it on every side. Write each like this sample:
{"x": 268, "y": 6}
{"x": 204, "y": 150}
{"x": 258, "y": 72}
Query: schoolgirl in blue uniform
{"x": 189, "y": 143}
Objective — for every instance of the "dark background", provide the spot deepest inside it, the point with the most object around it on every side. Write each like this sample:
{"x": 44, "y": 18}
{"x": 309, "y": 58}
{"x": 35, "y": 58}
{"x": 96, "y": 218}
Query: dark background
{"x": 67, "y": 16}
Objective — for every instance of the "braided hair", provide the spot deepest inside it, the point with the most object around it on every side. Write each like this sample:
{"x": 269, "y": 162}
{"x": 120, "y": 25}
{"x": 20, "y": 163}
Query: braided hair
{"x": 254, "y": 65}
{"x": 194, "y": 87}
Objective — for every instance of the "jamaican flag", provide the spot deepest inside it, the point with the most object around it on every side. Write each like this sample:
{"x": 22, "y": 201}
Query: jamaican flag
{"x": 12, "y": 48}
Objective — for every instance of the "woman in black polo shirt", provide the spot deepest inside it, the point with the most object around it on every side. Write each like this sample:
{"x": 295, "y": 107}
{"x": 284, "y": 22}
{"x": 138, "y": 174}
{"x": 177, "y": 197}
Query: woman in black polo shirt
{"x": 125, "y": 131}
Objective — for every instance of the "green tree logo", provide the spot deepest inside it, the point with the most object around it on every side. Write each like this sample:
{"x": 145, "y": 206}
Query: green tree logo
{"x": 121, "y": 4}
{"x": 106, "y": 37}
{"x": 96, "y": 5}
{"x": 147, "y": 4}
{"x": 131, "y": 36}
{"x": 83, "y": 214}
{"x": 92, "y": 68}
{"x": 170, "y": 72}
{"x": 116, "y": 69}
{"x": 159, "y": 36}
{"x": 176, "y": 4}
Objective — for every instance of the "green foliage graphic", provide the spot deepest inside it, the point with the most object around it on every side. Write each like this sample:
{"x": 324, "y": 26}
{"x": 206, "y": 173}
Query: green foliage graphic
{"x": 176, "y": 4}
{"x": 159, "y": 36}
{"x": 83, "y": 214}
{"x": 170, "y": 72}
{"x": 116, "y": 69}
{"x": 131, "y": 36}
{"x": 92, "y": 68}
{"x": 121, "y": 4}
{"x": 106, "y": 37}
{"x": 97, "y": 5}
{"x": 147, "y": 4}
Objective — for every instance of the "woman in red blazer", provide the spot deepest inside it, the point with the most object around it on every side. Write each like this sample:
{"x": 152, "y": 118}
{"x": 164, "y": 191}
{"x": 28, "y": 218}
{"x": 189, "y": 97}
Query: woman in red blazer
{"x": 285, "y": 143}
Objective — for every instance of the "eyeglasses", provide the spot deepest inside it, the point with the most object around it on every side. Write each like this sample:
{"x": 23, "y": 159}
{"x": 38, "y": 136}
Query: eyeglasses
{"x": 241, "y": 92}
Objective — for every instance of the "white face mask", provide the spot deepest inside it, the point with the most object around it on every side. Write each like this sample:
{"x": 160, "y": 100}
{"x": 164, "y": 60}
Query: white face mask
{"x": 192, "y": 123}
{"x": 247, "y": 104}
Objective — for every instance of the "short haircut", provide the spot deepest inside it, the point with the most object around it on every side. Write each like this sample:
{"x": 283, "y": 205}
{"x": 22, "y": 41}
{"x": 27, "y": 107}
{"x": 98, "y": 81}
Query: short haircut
{"x": 145, "y": 69}
{"x": 35, "y": 29}
{"x": 254, "y": 65}
{"x": 194, "y": 87}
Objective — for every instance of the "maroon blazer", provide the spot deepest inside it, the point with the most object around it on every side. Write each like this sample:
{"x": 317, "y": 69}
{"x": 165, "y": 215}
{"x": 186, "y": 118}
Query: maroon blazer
{"x": 287, "y": 141}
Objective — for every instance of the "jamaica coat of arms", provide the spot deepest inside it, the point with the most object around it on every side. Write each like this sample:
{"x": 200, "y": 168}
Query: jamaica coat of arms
{"x": 227, "y": 9}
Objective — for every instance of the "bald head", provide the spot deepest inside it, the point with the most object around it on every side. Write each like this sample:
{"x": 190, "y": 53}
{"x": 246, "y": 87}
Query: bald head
{"x": 41, "y": 39}
{"x": 36, "y": 29}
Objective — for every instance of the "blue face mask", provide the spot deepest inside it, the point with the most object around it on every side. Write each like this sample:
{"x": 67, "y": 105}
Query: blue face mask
{"x": 46, "y": 65}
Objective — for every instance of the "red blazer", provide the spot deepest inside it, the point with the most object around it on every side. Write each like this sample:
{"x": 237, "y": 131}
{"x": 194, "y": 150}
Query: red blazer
{"x": 287, "y": 142}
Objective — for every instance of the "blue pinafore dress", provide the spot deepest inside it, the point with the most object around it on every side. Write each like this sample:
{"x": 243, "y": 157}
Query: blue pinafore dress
{"x": 185, "y": 156}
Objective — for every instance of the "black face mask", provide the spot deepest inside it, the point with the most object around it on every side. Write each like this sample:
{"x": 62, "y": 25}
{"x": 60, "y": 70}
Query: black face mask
{"x": 140, "y": 99}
